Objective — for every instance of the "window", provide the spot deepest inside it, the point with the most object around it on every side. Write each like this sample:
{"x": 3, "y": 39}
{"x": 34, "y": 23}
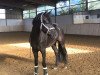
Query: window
{"x": 70, "y": 6}
{"x": 94, "y": 5}
{"x": 32, "y": 13}
{"x": 29, "y": 13}
{"x": 42, "y": 8}
{"x": 74, "y": 2}
{"x": 49, "y": 7}
{"x": 92, "y": 0}
{"x": 62, "y": 4}
{"x": 86, "y": 17}
{"x": 78, "y": 8}
{"x": 26, "y": 14}
{"x": 2, "y": 13}
{"x": 53, "y": 12}
{"x": 65, "y": 7}
{"x": 98, "y": 15}
{"x": 62, "y": 8}
{"x": 40, "y": 12}
{"x": 46, "y": 8}
{"x": 62, "y": 11}
{"x": 52, "y": 9}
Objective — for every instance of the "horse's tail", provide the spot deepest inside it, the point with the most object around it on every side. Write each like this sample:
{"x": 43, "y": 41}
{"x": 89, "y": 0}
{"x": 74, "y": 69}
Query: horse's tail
{"x": 62, "y": 53}
{"x": 30, "y": 41}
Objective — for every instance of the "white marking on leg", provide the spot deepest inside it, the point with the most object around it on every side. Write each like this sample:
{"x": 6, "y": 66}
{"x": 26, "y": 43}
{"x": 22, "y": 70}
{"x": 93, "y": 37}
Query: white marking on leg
{"x": 45, "y": 68}
{"x": 35, "y": 66}
{"x": 35, "y": 73}
{"x": 47, "y": 74}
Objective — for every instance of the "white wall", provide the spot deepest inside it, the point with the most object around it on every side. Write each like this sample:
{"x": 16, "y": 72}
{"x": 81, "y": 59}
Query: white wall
{"x": 9, "y": 25}
{"x": 66, "y": 23}
{"x": 84, "y": 29}
{"x": 80, "y": 19}
{"x": 27, "y": 24}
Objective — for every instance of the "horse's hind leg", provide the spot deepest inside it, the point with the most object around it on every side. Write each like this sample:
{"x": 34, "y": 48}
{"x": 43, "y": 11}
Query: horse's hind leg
{"x": 44, "y": 62}
{"x": 35, "y": 52}
{"x": 56, "y": 54}
{"x": 63, "y": 52}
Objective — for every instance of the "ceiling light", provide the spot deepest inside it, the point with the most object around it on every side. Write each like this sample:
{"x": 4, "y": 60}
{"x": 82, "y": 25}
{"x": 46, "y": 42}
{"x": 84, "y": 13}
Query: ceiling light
{"x": 10, "y": 9}
{"x": 24, "y": 5}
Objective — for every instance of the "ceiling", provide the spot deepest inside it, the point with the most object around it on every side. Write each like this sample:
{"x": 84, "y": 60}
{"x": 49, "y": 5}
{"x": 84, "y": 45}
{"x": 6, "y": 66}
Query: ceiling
{"x": 23, "y": 4}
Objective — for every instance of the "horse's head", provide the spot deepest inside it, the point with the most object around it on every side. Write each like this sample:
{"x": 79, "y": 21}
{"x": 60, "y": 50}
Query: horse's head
{"x": 42, "y": 22}
{"x": 45, "y": 18}
{"x": 42, "y": 18}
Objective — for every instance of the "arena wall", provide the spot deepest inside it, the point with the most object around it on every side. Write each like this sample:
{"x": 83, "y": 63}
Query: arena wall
{"x": 9, "y": 25}
{"x": 66, "y": 23}
{"x": 13, "y": 21}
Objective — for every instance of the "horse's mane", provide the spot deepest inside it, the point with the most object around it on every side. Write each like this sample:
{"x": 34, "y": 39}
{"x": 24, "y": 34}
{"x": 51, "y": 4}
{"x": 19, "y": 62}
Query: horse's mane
{"x": 36, "y": 19}
{"x": 36, "y": 26}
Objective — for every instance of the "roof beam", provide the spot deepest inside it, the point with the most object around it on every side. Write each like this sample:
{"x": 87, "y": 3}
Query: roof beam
{"x": 48, "y": 2}
{"x": 15, "y": 4}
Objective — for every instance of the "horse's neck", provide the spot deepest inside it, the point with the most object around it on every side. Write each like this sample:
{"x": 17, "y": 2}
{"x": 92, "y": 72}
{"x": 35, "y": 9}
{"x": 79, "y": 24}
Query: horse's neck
{"x": 36, "y": 28}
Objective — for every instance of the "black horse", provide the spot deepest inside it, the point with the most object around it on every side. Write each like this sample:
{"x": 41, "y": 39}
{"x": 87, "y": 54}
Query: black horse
{"x": 43, "y": 35}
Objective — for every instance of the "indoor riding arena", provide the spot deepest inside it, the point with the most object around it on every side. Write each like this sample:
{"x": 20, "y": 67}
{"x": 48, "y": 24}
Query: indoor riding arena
{"x": 80, "y": 21}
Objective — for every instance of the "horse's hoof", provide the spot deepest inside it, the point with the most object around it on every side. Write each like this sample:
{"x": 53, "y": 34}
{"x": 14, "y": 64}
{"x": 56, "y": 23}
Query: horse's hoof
{"x": 47, "y": 74}
{"x": 35, "y": 73}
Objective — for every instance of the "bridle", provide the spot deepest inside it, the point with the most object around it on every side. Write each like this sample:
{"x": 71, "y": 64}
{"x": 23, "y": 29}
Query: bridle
{"x": 42, "y": 24}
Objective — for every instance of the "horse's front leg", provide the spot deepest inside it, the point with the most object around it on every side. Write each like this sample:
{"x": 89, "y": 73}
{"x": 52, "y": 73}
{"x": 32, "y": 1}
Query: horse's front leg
{"x": 35, "y": 61}
{"x": 45, "y": 72}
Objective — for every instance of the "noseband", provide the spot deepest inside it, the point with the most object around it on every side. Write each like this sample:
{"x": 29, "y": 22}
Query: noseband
{"x": 44, "y": 26}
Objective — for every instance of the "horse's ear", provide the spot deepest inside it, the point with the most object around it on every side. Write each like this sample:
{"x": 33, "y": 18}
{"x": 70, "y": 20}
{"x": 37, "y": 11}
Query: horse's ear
{"x": 47, "y": 13}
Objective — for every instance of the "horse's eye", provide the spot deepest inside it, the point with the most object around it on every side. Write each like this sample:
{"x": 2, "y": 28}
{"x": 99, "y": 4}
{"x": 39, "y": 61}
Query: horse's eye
{"x": 46, "y": 19}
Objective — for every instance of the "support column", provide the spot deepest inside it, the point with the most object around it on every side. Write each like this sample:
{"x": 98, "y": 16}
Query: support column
{"x": 86, "y": 5}
{"x": 55, "y": 12}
